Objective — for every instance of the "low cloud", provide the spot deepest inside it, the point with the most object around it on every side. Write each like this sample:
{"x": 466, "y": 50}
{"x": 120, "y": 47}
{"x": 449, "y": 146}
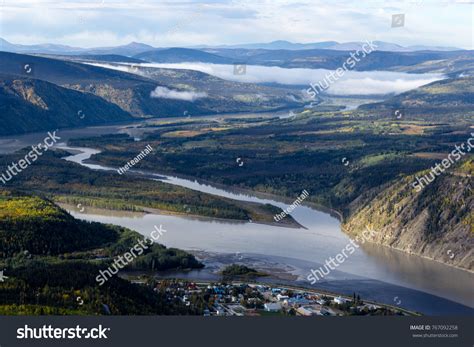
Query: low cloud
{"x": 352, "y": 83}
{"x": 165, "y": 93}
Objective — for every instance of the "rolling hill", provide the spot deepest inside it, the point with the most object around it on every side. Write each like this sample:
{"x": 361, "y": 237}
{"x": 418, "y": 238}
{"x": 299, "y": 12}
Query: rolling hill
{"x": 452, "y": 97}
{"x": 413, "y": 62}
{"x": 179, "y": 55}
{"x": 128, "y": 50}
{"x": 28, "y": 105}
{"x": 95, "y": 58}
{"x": 132, "y": 92}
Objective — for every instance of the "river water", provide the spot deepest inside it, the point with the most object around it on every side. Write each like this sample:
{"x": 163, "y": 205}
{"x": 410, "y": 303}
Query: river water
{"x": 376, "y": 272}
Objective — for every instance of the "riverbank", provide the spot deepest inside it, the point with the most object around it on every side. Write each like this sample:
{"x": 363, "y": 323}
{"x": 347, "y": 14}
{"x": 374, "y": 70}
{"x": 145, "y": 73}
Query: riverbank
{"x": 142, "y": 211}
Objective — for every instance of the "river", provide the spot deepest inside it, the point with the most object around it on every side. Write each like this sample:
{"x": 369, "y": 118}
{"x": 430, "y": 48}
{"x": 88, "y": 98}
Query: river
{"x": 376, "y": 272}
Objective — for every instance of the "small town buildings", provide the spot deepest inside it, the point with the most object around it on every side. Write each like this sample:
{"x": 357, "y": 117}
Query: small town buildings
{"x": 310, "y": 310}
{"x": 340, "y": 300}
{"x": 272, "y": 306}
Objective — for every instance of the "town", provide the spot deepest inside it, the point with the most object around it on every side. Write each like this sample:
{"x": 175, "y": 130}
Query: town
{"x": 249, "y": 299}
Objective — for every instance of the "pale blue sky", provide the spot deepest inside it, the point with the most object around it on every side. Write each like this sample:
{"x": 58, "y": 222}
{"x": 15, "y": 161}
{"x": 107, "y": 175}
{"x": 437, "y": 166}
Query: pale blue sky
{"x": 186, "y": 23}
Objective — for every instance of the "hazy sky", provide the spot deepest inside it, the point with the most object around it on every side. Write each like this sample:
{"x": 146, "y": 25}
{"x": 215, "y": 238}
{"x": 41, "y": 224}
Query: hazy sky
{"x": 186, "y": 23}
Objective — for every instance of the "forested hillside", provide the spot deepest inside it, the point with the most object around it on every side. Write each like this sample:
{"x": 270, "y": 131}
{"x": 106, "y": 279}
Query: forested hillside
{"x": 436, "y": 222}
{"x": 29, "y": 105}
{"x": 50, "y": 259}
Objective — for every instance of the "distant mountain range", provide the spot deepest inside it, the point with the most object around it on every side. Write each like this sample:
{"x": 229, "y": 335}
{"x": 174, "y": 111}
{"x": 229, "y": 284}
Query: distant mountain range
{"x": 42, "y": 48}
{"x": 346, "y": 46}
{"x": 321, "y": 55}
{"x": 447, "y": 62}
{"x": 136, "y": 48}
{"x": 129, "y": 50}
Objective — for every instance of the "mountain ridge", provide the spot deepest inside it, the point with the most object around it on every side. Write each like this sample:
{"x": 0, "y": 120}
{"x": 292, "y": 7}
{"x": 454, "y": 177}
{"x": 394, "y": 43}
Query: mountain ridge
{"x": 134, "y": 48}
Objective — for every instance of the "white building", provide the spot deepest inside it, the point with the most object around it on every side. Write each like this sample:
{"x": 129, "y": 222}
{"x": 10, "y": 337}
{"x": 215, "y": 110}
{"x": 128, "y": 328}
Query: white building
{"x": 310, "y": 310}
{"x": 272, "y": 307}
{"x": 304, "y": 311}
{"x": 340, "y": 300}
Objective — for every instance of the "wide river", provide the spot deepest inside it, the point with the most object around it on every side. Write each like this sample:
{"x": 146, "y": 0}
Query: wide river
{"x": 373, "y": 271}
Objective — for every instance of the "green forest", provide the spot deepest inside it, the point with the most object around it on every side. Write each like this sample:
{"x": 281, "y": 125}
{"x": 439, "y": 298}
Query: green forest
{"x": 52, "y": 259}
